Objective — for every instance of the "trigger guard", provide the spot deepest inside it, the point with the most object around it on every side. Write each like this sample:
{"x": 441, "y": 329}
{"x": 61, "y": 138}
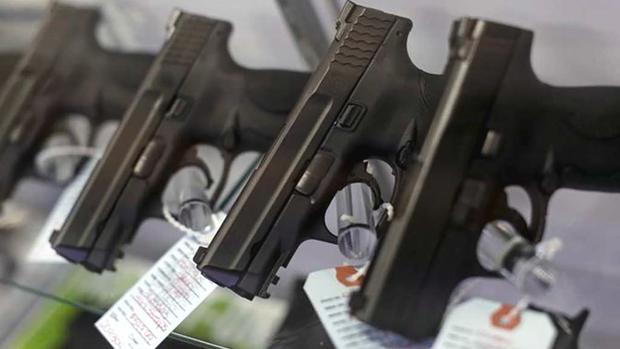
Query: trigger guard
{"x": 502, "y": 211}
{"x": 359, "y": 174}
{"x": 321, "y": 233}
{"x": 540, "y": 204}
{"x": 228, "y": 159}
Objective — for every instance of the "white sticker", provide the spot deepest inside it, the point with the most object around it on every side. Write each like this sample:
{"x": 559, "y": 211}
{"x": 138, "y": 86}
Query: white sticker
{"x": 158, "y": 302}
{"x": 481, "y": 324}
{"x": 42, "y": 251}
{"x": 329, "y": 291}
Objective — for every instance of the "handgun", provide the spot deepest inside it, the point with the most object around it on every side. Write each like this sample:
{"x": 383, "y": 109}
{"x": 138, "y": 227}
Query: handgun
{"x": 496, "y": 125}
{"x": 366, "y": 100}
{"x": 63, "y": 71}
{"x": 194, "y": 93}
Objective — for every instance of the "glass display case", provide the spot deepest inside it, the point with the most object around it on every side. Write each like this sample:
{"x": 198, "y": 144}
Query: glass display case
{"x": 47, "y": 302}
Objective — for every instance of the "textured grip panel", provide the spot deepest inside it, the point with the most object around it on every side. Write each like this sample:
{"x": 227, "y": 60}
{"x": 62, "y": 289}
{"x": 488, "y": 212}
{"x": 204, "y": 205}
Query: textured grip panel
{"x": 191, "y": 33}
{"x": 362, "y": 37}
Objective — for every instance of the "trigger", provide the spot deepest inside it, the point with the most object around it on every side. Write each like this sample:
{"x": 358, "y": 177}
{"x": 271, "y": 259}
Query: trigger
{"x": 360, "y": 174}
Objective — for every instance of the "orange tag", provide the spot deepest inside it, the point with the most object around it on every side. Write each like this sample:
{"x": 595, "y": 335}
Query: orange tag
{"x": 498, "y": 319}
{"x": 480, "y": 323}
{"x": 343, "y": 274}
{"x": 329, "y": 291}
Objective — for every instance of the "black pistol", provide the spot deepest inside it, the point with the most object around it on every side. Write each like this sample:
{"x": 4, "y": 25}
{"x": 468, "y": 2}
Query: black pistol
{"x": 193, "y": 94}
{"x": 63, "y": 71}
{"x": 496, "y": 125}
{"x": 366, "y": 100}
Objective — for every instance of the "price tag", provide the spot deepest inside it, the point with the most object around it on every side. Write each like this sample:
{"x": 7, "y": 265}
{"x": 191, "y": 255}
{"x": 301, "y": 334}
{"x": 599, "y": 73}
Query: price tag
{"x": 483, "y": 324}
{"x": 158, "y": 302}
{"x": 329, "y": 291}
{"x": 41, "y": 250}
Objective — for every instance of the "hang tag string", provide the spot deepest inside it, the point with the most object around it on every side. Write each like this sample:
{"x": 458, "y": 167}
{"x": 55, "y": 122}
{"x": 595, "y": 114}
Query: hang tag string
{"x": 203, "y": 237}
{"x": 52, "y": 153}
{"x": 545, "y": 250}
{"x": 217, "y": 217}
{"x": 517, "y": 310}
{"x": 361, "y": 271}
{"x": 178, "y": 225}
{"x": 549, "y": 248}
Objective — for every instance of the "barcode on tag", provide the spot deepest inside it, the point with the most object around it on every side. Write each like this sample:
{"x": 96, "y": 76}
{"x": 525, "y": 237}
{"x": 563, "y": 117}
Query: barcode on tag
{"x": 158, "y": 302}
{"x": 476, "y": 324}
{"x": 329, "y": 291}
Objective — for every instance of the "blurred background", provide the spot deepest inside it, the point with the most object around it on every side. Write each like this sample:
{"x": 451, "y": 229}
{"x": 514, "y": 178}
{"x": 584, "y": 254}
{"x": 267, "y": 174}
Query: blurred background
{"x": 575, "y": 43}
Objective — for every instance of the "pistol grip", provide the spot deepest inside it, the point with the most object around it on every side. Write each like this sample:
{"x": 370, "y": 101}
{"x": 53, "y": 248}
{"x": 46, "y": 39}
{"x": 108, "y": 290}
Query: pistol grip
{"x": 119, "y": 75}
{"x": 454, "y": 262}
{"x": 269, "y": 96}
{"x": 96, "y": 81}
{"x": 23, "y": 140}
{"x": 586, "y": 142}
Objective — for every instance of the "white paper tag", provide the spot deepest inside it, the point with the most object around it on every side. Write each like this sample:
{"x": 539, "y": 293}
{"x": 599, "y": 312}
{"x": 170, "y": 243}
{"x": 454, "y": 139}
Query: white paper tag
{"x": 329, "y": 291}
{"x": 158, "y": 302}
{"x": 477, "y": 324}
{"x": 42, "y": 251}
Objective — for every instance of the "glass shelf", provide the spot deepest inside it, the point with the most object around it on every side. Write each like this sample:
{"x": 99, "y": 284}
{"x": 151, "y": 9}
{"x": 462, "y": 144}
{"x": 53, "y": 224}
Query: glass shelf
{"x": 59, "y": 291}
{"x": 62, "y": 292}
